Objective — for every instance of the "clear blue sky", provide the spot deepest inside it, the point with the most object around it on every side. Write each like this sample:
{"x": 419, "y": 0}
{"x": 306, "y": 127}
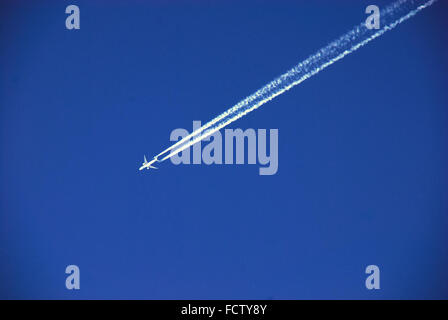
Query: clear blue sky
{"x": 363, "y": 153}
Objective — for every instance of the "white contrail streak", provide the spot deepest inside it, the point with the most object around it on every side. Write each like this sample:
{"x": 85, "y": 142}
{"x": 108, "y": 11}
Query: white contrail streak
{"x": 359, "y": 36}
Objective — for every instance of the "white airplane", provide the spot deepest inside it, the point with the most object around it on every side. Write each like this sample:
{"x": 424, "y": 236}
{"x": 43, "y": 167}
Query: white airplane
{"x": 147, "y": 164}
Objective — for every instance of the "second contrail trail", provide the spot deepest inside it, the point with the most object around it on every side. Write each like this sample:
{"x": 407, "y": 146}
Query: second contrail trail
{"x": 359, "y": 36}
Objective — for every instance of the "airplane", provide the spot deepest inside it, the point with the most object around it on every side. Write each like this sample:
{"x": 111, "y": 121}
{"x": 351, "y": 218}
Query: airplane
{"x": 147, "y": 164}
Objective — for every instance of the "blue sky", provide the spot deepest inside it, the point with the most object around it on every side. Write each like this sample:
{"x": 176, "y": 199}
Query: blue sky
{"x": 363, "y": 155}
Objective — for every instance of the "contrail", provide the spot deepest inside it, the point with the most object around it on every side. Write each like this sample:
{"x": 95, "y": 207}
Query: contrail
{"x": 360, "y": 35}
